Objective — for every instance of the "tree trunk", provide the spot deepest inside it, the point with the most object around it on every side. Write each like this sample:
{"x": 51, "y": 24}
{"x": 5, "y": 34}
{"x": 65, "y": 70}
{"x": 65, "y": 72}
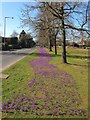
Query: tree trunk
{"x": 63, "y": 38}
{"x": 64, "y": 46}
{"x": 50, "y": 45}
{"x": 50, "y": 40}
{"x": 55, "y": 46}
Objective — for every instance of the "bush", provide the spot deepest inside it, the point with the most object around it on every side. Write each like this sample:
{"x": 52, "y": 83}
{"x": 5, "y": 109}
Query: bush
{"x": 5, "y": 47}
{"x": 10, "y": 46}
{"x": 76, "y": 45}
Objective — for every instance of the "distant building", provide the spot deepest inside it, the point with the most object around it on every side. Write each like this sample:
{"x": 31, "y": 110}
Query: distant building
{"x": 0, "y": 39}
{"x": 0, "y": 42}
{"x": 84, "y": 43}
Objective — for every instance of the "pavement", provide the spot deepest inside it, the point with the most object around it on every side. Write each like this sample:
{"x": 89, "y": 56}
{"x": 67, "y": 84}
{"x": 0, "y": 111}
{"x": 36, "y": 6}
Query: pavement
{"x": 4, "y": 76}
{"x": 8, "y": 58}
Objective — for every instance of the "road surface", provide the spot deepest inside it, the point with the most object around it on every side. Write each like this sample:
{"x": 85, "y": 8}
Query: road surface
{"x": 7, "y": 58}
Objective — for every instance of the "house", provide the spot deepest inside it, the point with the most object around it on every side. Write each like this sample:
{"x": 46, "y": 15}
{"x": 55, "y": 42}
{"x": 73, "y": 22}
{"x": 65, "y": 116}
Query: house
{"x": 0, "y": 42}
{"x": 82, "y": 43}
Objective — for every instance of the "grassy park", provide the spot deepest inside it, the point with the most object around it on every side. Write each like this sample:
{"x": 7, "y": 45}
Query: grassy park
{"x": 41, "y": 86}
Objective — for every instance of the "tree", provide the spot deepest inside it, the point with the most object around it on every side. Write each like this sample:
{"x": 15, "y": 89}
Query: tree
{"x": 64, "y": 12}
{"x": 14, "y": 34}
{"x": 22, "y": 38}
{"x": 41, "y": 24}
{"x": 29, "y": 40}
{"x": 25, "y": 40}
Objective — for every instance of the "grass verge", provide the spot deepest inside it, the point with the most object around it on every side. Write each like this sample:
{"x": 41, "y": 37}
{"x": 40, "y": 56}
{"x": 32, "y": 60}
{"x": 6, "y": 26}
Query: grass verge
{"x": 21, "y": 73}
{"x": 77, "y": 67}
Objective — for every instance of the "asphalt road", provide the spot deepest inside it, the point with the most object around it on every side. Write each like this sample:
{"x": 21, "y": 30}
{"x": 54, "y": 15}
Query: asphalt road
{"x": 7, "y": 58}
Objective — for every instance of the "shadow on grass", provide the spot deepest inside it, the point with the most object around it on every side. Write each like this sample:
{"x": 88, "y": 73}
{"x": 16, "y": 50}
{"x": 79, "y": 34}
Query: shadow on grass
{"x": 76, "y": 64}
{"x": 53, "y": 55}
{"x": 58, "y": 55}
{"x": 44, "y": 55}
{"x": 78, "y": 56}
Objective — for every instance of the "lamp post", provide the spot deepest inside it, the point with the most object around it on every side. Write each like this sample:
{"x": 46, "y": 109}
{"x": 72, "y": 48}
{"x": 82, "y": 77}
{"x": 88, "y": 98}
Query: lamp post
{"x": 5, "y": 26}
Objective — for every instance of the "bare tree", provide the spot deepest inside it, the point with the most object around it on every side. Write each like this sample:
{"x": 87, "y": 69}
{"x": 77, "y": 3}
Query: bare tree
{"x": 49, "y": 13}
{"x": 64, "y": 12}
{"x": 14, "y": 34}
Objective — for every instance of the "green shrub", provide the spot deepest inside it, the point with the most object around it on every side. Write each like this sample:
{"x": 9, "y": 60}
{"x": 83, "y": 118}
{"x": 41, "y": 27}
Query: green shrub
{"x": 5, "y": 47}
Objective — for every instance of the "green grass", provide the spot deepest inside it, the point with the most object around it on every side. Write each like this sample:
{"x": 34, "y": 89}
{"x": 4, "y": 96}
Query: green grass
{"x": 21, "y": 73}
{"x": 77, "y": 67}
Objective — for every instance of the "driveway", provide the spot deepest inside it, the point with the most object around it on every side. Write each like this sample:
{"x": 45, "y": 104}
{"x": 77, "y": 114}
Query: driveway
{"x": 7, "y": 58}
